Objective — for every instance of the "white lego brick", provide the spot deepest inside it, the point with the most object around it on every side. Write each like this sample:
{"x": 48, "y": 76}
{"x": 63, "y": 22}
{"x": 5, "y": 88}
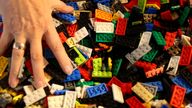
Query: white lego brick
{"x": 78, "y": 91}
{"x": 104, "y": 8}
{"x": 35, "y": 96}
{"x": 21, "y": 69}
{"x": 104, "y": 27}
{"x": 152, "y": 89}
{"x": 85, "y": 50}
{"x": 56, "y": 22}
{"x": 158, "y": 103}
{"x": 145, "y": 38}
{"x": 55, "y": 87}
{"x": 80, "y": 4}
{"x": 28, "y": 89}
{"x": 80, "y": 34}
{"x": 55, "y": 101}
{"x": 70, "y": 99}
{"x": 173, "y": 63}
{"x": 185, "y": 40}
{"x": 117, "y": 94}
{"x": 124, "y": 1}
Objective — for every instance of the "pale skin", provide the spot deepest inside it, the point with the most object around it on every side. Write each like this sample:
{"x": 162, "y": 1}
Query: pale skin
{"x": 30, "y": 21}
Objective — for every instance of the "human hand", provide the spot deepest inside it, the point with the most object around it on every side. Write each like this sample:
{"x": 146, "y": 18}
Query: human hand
{"x": 31, "y": 21}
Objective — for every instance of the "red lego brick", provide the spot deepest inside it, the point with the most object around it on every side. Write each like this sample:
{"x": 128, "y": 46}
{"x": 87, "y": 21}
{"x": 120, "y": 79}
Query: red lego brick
{"x": 177, "y": 96}
{"x": 169, "y": 38}
{"x": 156, "y": 3}
{"x": 89, "y": 63}
{"x": 185, "y": 56}
{"x": 29, "y": 66}
{"x": 71, "y": 29}
{"x": 166, "y": 15}
{"x": 133, "y": 102}
{"x": 62, "y": 37}
{"x": 115, "y": 81}
{"x": 147, "y": 66}
{"x": 179, "y": 31}
{"x": 131, "y": 3}
{"x": 126, "y": 88}
{"x": 190, "y": 23}
{"x": 121, "y": 26}
{"x": 85, "y": 74}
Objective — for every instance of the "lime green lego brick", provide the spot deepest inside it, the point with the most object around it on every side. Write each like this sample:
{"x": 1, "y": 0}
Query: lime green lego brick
{"x": 126, "y": 14}
{"x": 116, "y": 66}
{"x": 88, "y": 83}
{"x": 81, "y": 59}
{"x": 104, "y": 37}
{"x": 150, "y": 55}
{"x": 159, "y": 38}
{"x": 164, "y": 1}
{"x": 97, "y": 64}
{"x": 184, "y": 15}
{"x": 141, "y": 5}
{"x": 101, "y": 74}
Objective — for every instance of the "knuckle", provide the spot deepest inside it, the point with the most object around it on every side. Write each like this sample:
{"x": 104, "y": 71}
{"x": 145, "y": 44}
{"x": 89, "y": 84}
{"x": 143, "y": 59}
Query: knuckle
{"x": 18, "y": 55}
{"x": 36, "y": 57}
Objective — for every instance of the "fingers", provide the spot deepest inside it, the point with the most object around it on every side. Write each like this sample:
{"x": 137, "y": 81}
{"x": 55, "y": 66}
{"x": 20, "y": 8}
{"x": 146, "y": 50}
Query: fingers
{"x": 61, "y": 6}
{"x": 53, "y": 41}
{"x": 16, "y": 60}
{"x": 37, "y": 62}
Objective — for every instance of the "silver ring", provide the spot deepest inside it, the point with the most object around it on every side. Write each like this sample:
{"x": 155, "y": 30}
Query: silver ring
{"x": 19, "y": 46}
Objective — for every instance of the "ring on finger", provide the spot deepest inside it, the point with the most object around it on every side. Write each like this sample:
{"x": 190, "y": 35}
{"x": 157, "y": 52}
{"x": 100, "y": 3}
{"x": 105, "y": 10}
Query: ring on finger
{"x": 19, "y": 46}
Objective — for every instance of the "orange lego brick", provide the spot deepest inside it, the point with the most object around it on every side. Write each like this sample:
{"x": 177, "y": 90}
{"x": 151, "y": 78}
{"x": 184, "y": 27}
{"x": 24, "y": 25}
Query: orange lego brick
{"x": 169, "y": 38}
{"x": 154, "y": 72}
{"x": 62, "y": 37}
{"x": 71, "y": 29}
{"x": 99, "y": 14}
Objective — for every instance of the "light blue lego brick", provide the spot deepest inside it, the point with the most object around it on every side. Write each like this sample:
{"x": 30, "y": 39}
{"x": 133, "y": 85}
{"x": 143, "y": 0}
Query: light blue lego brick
{"x": 156, "y": 83}
{"x": 183, "y": 83}
{"x": 48, "y": 53}
{"x": 73, "y": 77}
{"x": 66, "y": 17}
{"x": 149, "y": 26}
{"x": 97, "y": 90}
{"x": 74, "y": 5}
{"x": 60, "y": 92}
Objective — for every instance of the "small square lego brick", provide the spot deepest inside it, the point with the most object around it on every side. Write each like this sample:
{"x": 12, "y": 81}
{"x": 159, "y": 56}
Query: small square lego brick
{"x": 3, "y": 64}
{"x": 80, "y": 34}
{"x": 100, "y": 14}
{"x": 142, "y": 92}
{"x": 104, "y": 8}
{"x": 69, "y": 100}
{"x": 117, "y": 94}
{"x": 177, "y": 96}
{"x": 186, "y": 55}
{"x": 121, "y": 26}
{"x": 28, "y": 89}
{"x": 104, "y": 27}
{"x": 97, "y": 90}
{"x": 150, "y": 88}
{"x": 55, "y": 87}
{"x": 85, "y": 50}
{"x": 145, "y": 38}
{"x": 55, "y": 101}
{"x": 133, "y": 102}
{"x": 173, "y": 65}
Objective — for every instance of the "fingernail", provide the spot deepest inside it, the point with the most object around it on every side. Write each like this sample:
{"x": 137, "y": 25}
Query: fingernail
{"x": 68, "y": 70}
{"x": 13, "y": 83}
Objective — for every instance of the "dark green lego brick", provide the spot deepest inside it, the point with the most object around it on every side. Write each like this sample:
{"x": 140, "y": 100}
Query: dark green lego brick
{"x": 126, "y": 14}
{"x": 184, "y": 15}
{"x": 150, "y": 55}
{"x": 116, "y": 66}
{"x": 159, "y": 38}
{"x": 104, "y": 37}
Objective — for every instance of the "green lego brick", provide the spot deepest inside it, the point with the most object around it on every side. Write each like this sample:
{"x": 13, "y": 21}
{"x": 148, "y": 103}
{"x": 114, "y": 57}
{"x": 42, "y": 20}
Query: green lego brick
{"x": 184, "y": 15}
{"x": 141, "y": 5}
{"x": 164, "y": 1}
{"x": 104, "y": 37}
{"x": 150, "y": 55}
{"x": 115, "y": 23}
{"x": 126, "y": 14}
{"x": 81, "y": 59}
{"x": 116, "y": 66}
{"x": 88, "y": 83}
{"x": 101, "y": 74}
{"x": 97, "y": 64}
{"x": 159, "y": 38}
{"x": 86, "y": 42}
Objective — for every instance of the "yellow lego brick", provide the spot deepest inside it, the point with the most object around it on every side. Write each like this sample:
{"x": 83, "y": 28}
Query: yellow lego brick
{"x": 3, "y": 64}
{"x": 142, "y": 92}
{"x": 17, "y": 98}
{"x": 147, "y": 105}
{"x": 11, "y": 92}
{"x": 82, "y": 106}
{"x": 103, "y": 15}
{"x": 110, "y": 63}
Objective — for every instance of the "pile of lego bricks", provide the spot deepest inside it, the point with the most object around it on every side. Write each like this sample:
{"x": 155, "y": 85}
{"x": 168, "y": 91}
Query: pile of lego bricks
{"x": 134, "y": 53}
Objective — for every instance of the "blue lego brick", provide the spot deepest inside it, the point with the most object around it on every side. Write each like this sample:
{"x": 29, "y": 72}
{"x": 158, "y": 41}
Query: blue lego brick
{"x": 60, "y": 92}
{"x": 105, "y": 2}
{"x": 183, "y": 83}
{"x": 1, "y": 20}
{"x": 73, "y": 77}
{"x": 151, "y": 11}
{"x": 156, "y": 83}
{"x": 74, "y": 5}
{"x": 97, "y": 90}
{"x": 66, "y": 17}
{"x": 48, "y": 53}
{"x": 149, "y": 26}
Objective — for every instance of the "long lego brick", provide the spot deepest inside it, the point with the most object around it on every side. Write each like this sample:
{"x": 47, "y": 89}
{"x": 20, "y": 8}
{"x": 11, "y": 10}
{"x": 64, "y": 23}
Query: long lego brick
{"x": 184, "y": 15}
{"x": 133, "y": 102}
{"x": 97, "y": 90}
{"x": 145, "y": 38}
{"x": 84, "y": 49}
{"x": 104, "y": 27}
{"x": 104, "y": 37}
{"x": 173, "y": 63}
{"x": 170, "y": 39}
{"x": 142, "y": 92}
{"x": 150, "y": 55}
{"x": 104, "y": 8}
{"x": 3, "y": 64}
{"x": 69, "y": 100}
{"x": 117, "y": 94}
{"x": 159, "y": 38}
{"x": 99, "y": 14}
{"x": 55, "y": 101}
{"x": 121, "y": 27}
{"x": 177, "y": 96}
{"x": 141, "y": 4}
{"x": 186, "y": 55}
{"x": 80, "y": 34}
{"x": 154, "y": 72}
{"x": 101, "y": 74}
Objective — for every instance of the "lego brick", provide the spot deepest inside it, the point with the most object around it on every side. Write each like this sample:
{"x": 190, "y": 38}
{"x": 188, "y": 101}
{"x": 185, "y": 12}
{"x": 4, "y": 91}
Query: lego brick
{"x": 96, "y": 90}
{"x": 71, "y": 29}
{"x": 28, "y": 89}
{"x": 74, "y": 5}
{"x": 116, "y": 66}
{"x": 104, "y": 8}
{"x": 55, "y": 101}
{"x": 121, "y": 26}
{"x": 170, "y": 39}
{"x": 174, "y": 50}
{"x": 133, "y": 102}
{"x": 83, "y": 83}
{"x": 154, "y": 72}
{"x": 149, "y": 26}
{"x": 59, "y": 92}
{"x": 80, "y": 34}
{"x": 141, "y": 4}
{"x": 80, "y": 4}
{"x": 186, "y": 55}
{"x": 159, "y": 38}
{"x": 69, "y": 100}
{"x": 66, "y": 17}
{"x": 153, "y": 3}
{"x": 118, "y": 15}
{"x": 104, "y": 37}
{"x": 3, "y": 64}
{"x": 62, "y": 37}
{"x": 150, "y": 88}
{"x": 55, "y": 87}
{"x": 56, "y": 22}
{"x": 97, "y": 64}
{"x": 99, "y": 14}
{"x": 147, "y": 66}
{"x": 177, "y": 96}
{"x": 73, "y": 77}
{"x": 101, "y": 74}
{"x": 187, "y": 76}
{"x": 145, "y": 38}
{"x": 85, "y": 50}
{"x": 185, "y": 40}
{"x": 150, "y": 55}
{"x": 184, "y": 15}
{"x": 117, "y": 94}
{"x": 35, "y": 96}
{"x": 84, "y": 73}
{"x": 183, "y": 83}
{"x": 104, "y": 27}
{"x": 173, "y": 63}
